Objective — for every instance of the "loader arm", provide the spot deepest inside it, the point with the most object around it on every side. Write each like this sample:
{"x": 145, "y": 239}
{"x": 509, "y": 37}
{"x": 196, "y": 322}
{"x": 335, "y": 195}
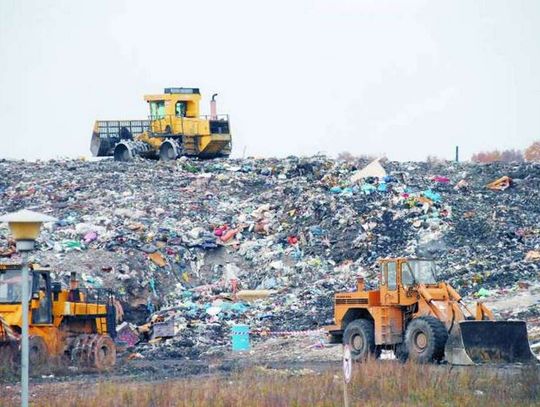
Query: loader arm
{"x": 436, "y": 311}
{"x": 483, "y": 313}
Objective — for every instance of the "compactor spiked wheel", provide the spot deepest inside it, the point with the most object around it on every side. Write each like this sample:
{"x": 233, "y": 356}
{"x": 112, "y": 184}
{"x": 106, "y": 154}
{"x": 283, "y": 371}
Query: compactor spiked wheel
{"x": 78, "y": 355}
{"x": 360, "y": 337}
{"x": 167, "y": 152}
{"x": 122, "y": 153}
{"x": 102, "y": 353}
{"x": 425, "y": 339}
{"x": 94, "y": 352}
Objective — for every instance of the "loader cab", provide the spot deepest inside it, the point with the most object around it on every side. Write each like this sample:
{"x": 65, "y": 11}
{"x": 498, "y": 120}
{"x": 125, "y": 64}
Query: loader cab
{"x": 389, "y": 282}
{"x": 418, "y": 271}
{"x": 404, "y": 273}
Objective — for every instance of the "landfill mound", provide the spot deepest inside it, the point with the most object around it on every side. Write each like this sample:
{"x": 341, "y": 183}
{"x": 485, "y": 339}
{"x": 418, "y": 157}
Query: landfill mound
{"x": 193, "y": 247}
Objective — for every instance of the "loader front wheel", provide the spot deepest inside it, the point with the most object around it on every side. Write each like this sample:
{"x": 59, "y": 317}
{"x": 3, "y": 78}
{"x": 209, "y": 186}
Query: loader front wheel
{"x": 425, "y": 339}
{"x": 360, "y": 336}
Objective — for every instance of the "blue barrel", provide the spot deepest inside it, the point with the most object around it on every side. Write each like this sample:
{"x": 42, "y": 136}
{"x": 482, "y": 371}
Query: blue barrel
{"x": 240, "y": 337}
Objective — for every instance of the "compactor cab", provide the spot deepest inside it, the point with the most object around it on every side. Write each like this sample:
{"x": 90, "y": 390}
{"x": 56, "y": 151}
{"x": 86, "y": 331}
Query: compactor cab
{"x": 424, "y": 319}
{"x": 68, "y": 325}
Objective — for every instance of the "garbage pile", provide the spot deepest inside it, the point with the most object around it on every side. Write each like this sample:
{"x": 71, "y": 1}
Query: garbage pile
{"x": 192, "y": 247}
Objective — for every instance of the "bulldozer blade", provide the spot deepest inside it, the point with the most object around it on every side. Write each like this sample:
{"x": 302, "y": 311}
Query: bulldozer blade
{"x": 102, "y": 146}
{"x": 497, "y": 342}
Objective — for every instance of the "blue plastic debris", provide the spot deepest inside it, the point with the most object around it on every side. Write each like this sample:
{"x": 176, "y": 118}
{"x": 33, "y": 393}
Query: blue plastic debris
{"x": 434, "y": 196}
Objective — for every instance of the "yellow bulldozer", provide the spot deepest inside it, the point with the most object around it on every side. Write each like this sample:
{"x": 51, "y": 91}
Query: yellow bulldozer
{"x": 67, "y": 326}
{"x": 174, "y": 128}
{"x": 424, "y": 320}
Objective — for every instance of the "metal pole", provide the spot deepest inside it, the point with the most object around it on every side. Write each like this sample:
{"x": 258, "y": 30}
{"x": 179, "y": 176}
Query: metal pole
{"x": 457, "y": 154}
{"x": 24, "y": 342}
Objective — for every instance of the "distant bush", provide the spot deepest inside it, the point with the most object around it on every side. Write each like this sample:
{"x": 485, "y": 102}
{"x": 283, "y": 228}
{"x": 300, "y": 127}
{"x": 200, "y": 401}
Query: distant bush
{"x": 532, "y": 153}
{"x": 506, "y": 156}
{"x": 347, "y": 156}
{"x": 433, "y": 159}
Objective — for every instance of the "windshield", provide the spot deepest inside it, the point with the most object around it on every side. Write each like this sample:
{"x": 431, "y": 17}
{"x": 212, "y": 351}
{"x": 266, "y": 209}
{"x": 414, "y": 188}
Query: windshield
{"x": 418, "y": 272}
{"x": 10, "y": 286}
{"x": 157, "y": 109}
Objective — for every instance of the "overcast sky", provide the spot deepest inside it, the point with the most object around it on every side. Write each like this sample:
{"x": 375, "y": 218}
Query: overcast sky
{"x": 402, "y": 78}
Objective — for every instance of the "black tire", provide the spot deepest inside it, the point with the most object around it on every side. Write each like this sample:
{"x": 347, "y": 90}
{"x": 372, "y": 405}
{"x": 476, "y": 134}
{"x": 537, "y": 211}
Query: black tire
{"x": 360, "y": 336}
{"x": 335, "y": 338}
{"x": 401, "y": 353}
{"x": 425, "y": 339}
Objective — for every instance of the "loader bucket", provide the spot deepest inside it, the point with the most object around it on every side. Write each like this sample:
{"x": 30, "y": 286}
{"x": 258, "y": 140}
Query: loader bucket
{"x": 497, "y": 342}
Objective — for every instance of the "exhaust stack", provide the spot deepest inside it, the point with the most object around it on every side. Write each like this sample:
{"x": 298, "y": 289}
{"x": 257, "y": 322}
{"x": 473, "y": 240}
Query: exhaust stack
{"x": 213, "y": 108}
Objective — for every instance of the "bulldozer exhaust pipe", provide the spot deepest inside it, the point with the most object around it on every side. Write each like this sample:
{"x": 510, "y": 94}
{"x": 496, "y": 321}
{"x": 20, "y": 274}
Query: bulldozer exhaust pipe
{"x": 213, "y": 108}
{"x": 498, "y": 342}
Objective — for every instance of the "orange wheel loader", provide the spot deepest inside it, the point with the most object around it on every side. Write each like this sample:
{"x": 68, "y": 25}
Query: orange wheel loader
{"x": 423, "y": 320}
{"x": 68, "y": 326}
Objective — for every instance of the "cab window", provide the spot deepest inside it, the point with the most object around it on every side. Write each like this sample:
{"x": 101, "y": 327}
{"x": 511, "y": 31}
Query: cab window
{"x": 42, "y": 315}
{"x": 391, "y": 275}
{"x": 10, "y": 286}
{"x": 157, "y": 109}
{"x": 180, "y": 109}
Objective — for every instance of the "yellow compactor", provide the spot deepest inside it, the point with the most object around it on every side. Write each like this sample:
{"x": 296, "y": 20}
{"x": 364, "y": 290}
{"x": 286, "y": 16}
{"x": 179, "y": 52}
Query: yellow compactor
{"x": 425, "y": 320}
{"x": 174, "y": 128}
{"x": 67, "y": 326}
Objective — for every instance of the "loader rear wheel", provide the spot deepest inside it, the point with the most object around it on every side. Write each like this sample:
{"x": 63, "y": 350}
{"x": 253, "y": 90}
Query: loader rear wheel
{"x": 360, "y": 336}
{"x": 425, "y": 339}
